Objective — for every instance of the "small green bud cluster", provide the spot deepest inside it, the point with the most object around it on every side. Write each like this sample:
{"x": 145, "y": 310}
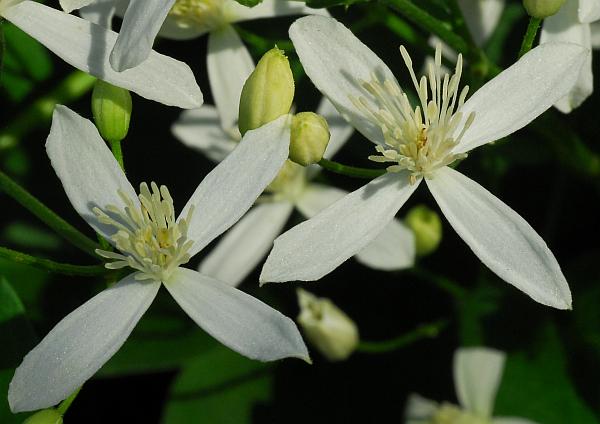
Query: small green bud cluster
{"x": 542, "y": 8}
{"x": 111, "y": 107}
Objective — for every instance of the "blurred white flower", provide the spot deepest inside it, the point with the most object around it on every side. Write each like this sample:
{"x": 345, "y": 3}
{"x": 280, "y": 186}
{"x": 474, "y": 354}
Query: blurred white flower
{"x": 421, "y": 142}
{"x": 86, "y": 46}
{"x": 576, "y": 22}
{"x": 477, "y": 376}
{"x": 149, "y": 240}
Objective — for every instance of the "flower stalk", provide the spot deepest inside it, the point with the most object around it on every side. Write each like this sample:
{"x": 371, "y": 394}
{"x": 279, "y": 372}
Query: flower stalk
{"x": 425, "y": 331}
{"x": 51, "y": 266}
{"x": 350, "y": 171}
{"x": 532, "y": 29}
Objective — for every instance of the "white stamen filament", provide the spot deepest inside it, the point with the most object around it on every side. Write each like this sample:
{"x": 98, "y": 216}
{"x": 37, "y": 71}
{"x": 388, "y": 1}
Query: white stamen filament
{"x": 149, "y": 238}
{"x": 422, "y": 139}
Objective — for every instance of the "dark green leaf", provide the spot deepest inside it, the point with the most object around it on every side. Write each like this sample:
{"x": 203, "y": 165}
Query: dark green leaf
{"x": 249, "y": 3}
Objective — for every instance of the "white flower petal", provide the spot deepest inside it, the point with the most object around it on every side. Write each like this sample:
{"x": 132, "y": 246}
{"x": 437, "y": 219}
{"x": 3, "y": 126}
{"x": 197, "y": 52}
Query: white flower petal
{"x": 79, "y": 345}
{"x": 317, "y": 197}
{"x": 232, "y": 187}
{"x": 477, "y": 376}
{"x": 235, "y": 12}
{"x": 419, "y": 409}
{"x": 316, "y": 247}
{"x": 246, "y": 243}
{"x": 86, "y": 46}
{"x": 522, "y": 92}
{"x": 565, "y": 27}
{"x": 500, "y": 238}
{"x": 595, "y": 27}
{"x": 512, "y": 420}
{"x": 201, "y": 129}
{"x": 71, "y": 5}
{"x": 88, "y": 171}
{"x": 101, "y": 12}
{"x": 589, "y": 10}
{"x": 141, "y": 23}
{"x": 481, "y": 17}
{"x": 393, "y": 249}
{"x": 229, "y": 65}
{"x": 339, "y": 130}
{"x": 337, "y": 62}
{"x": 236, "y": 319}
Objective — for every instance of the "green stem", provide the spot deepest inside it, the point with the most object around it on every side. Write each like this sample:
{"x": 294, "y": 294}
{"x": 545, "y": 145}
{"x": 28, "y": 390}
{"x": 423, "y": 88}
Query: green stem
{"x": 532, "y": 29}
{"x": 51, "y": 266}
{"x": 429, "y": 23}
{"x": 65, "y": 404}
{"x": 425, "y": 331}
{"x": 350, "y": 171}
{"x": 115, "y": 146}
{"x": 40, "y": 112}
{"x": 444, "y": 283}
{"x": 46, "y": 215}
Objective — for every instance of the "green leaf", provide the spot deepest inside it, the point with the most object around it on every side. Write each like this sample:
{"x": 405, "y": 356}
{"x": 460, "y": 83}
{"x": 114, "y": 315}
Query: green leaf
{"x": 536, "y": 385}
{"x": 31, "y": 237}
{"x": 249, "y": 3}
{"x": 218, "y": 387}
{"x": 16, "y": 339}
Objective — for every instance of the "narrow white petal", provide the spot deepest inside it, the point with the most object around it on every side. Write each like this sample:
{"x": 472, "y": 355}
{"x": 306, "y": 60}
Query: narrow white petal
{"x": 477, "y": 376}
{"x": 71, "y": 5}
{"x": 337, "y": 62}
{"x": 512, "y": 420}
{"x": 235, "y": 12}
{"x": 88, "y": 171}
{"x": 500, "y": 238}
{"x": 419, "y": 409}
{"x": 316, "y": 247}
{"x": 339, "y": 130}
{"x": 595, "y": 27}
{"x": 246, "y": 243}
{"x": 229, "y": 65}
{"x": 565, "y": 27}
{"x": 589, "y": 10}
{"x": 79, "y": 345}
{"x": 201, "y": 129}
{"x": 233, "y": 186}
{"x": 317, "y": 197}
{"x": 393, "y": 249}
{"x": 522, "y": 92}
{"x": 141, "y": 23}
{"x": 481, "y": 17}
{"x": 101, "y": 12}
{"x": 86, "y": 46}
{"x": 236, "y": 319}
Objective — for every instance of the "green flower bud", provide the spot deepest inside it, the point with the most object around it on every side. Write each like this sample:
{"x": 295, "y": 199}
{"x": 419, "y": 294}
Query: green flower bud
{"x": 326, "y": 326}
{"x": 309, "y": 138}
{"x": 111, "y": 107}
{"x": 268, "y": 92}
{"x": 542, "y": 8}
{"x": 427, "y": 226}
{"x": 46, "y": 416}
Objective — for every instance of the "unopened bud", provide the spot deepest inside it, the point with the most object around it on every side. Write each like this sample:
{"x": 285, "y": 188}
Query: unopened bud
{"x": 46, "y": 416}
{"x": 427, "y": 226}
{"x": 268, "y": 92}
{"x": 309, "y": 138}
{"x": 542, "y": 8}
{"x": 111, "y": 107}
{"x": 327, "y": 327}
{"x": 289, "y": 175}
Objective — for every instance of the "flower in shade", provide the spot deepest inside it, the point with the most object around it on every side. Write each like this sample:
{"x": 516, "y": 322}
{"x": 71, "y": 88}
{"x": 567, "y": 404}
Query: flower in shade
{"x": 419, "y": 143}
{"x": 86, "y": 46}
{"x": 577, "y": 21}
{"x": 477, "y": 376}
{"x": 152, "y": 243}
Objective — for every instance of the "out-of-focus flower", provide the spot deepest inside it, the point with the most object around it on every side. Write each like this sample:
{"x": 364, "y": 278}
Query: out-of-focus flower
{"x": 419, "y": 143}
{"x": 477, "y": 376}
{"x": 576, "y": 22}
{"x": 326, "y": 326}
{"x": 86, "y": 46}
{"x": 153, "y": 244}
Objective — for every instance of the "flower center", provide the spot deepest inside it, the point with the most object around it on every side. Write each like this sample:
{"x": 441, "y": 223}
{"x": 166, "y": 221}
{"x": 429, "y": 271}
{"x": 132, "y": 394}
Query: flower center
{"x": 149, "y": 238}
{"x": 451, "y": 414}
{"x": 421, "y": 139}
{"x": 204, "y": 15}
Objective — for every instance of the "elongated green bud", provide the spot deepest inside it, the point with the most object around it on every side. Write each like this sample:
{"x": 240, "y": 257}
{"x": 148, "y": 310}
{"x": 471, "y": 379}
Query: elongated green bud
{"x": 427, "y": 226}
{"x": 46, "y": 416}
{"x": 268, "y": 92}
{"x": 309, "y": 138}
{"x": 111, "y": 107}
{"x": 542, "y": 8}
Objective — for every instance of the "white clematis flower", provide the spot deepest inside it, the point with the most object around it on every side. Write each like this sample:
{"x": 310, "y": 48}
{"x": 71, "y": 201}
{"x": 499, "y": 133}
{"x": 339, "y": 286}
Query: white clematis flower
{"x": 420, "y": 142}
{"x": 477, "y": 376}
{"x": 150, "y": 240}
{"x": 575, "y": 23}
{"x": 248, "y": 242}
{"x": 86, "y": 46}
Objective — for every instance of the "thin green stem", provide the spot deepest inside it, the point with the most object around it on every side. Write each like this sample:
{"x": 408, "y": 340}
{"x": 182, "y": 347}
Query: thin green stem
{"x": 65, "y": 404}
{"x": 425, "y": 331}
{"x": 444, "y": 283}
{"x": 429, "y": 23}
{"x": 51, "y": 266}
{"x": 115, "y": 146}
{"x": 46, "y": 215}
{"x": 40, "y": 112}
{"x": 532, "y": 29}
{"x": 350, "y": 171}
